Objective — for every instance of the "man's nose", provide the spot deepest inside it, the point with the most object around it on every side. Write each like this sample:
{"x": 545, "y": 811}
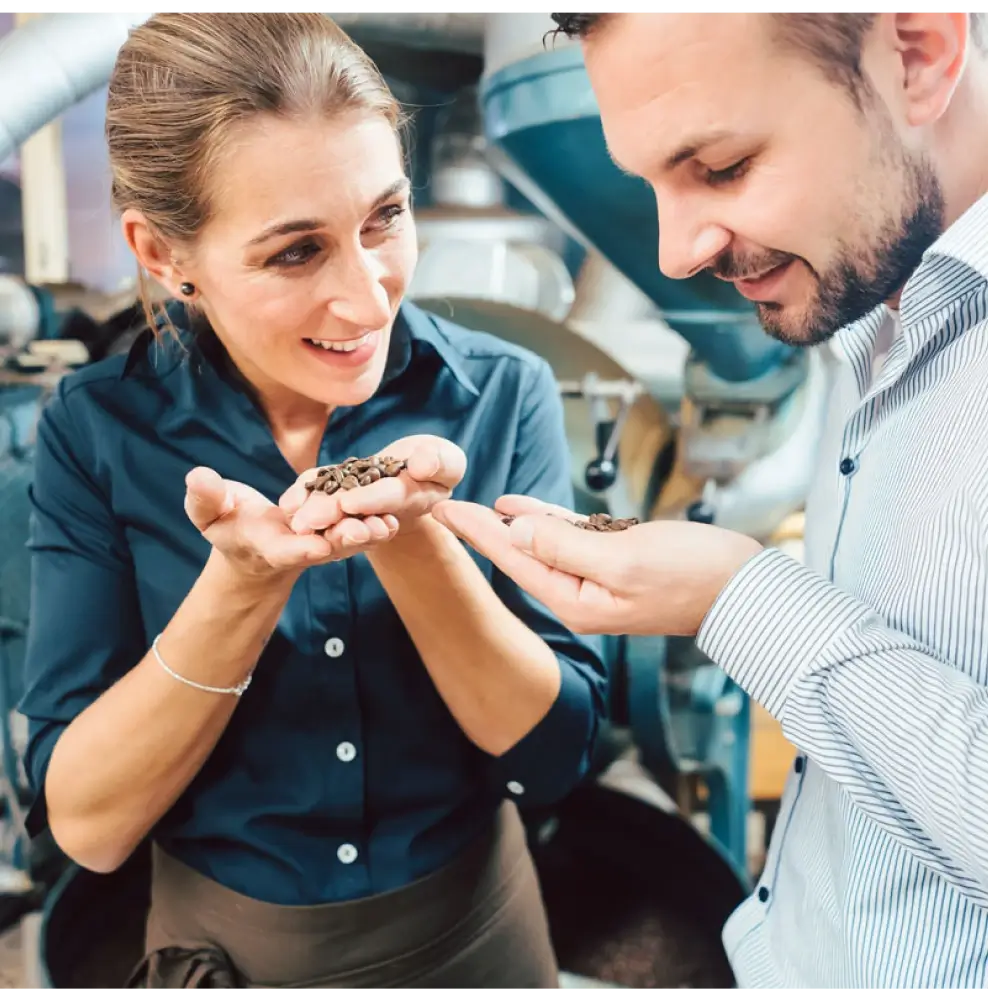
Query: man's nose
{"x": 357, "y": 292}
{"x": 687, "y": 244}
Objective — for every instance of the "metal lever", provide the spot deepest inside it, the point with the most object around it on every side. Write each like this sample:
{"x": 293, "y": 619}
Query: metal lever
{"x": 703, "y": 510}
{"x": 601, "y": 472}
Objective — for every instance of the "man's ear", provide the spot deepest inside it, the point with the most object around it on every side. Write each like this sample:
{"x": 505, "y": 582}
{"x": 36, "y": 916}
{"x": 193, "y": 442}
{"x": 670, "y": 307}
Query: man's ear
{"x": 932, "y": 49}
{"x": 152, "y": 253}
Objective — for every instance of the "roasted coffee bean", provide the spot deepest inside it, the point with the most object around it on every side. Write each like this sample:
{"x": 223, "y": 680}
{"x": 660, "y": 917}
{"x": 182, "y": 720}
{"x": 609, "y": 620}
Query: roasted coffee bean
{"x": 601, "y": 522}
{"x": 354, "y": 472}
{"x": 598, "y": 522}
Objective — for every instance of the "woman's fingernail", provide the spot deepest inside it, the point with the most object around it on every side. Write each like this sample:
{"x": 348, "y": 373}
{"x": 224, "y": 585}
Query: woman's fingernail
{"x": 522, "y": 533}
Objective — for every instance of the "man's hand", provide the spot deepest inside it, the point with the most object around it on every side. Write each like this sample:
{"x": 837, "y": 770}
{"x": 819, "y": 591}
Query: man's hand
{"x": 658, "y": 578}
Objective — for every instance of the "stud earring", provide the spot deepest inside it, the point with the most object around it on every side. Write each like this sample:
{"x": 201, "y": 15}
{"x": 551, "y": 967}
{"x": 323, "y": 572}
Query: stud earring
{"x": 187, "y": 288}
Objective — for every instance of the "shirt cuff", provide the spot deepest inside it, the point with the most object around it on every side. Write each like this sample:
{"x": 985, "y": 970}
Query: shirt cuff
{"x": 770, "y": 622}
{"x": 554, "y": 756}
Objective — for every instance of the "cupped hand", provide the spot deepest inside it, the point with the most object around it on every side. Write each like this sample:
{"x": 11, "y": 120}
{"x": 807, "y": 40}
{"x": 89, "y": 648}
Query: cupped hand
{"x": 657, "y": 578}
{"x": 434, "y": 466}
{"x": 255, "y": 536}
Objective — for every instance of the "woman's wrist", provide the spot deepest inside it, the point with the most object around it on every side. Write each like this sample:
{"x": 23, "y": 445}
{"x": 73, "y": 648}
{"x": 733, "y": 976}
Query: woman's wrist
{"x": 226, "y": 578}
{"x": 415, "y": 536}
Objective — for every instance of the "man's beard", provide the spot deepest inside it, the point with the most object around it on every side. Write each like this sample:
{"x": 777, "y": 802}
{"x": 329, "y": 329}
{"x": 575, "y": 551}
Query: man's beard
{"x": 863, "y": 275}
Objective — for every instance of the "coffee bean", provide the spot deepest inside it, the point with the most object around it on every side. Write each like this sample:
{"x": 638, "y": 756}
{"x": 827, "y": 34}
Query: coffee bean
{"x": 601, "y": 522}
{"x": 598, "y": 522}
{"x": 354, "y": 472}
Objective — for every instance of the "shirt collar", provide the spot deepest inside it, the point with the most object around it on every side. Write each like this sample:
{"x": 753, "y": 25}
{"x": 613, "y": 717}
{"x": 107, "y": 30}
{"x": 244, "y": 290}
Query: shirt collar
{"x": 952, "y": 267}
{"x": 432, "y": 331}
{"x": 413, "y": 329}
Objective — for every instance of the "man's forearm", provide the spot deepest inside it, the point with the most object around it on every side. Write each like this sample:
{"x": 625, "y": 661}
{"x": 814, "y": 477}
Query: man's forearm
{"x": 902, "y": 731}
{"x": 497, "y": 677}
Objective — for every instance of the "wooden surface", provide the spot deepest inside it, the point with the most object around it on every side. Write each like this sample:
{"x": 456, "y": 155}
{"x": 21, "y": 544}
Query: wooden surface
{"x": 771, "y": 756}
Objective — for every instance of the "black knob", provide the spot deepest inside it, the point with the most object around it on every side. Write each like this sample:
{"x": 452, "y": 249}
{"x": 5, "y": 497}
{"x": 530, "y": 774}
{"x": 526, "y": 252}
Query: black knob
{"x": 700, "y": 512}
{"x": 601, "y": 474}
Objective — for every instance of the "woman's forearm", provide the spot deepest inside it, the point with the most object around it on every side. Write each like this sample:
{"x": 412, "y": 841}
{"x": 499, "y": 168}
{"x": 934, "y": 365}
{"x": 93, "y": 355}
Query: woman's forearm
{"x": 497, "y": 677}
{"x": 121, "y": 764}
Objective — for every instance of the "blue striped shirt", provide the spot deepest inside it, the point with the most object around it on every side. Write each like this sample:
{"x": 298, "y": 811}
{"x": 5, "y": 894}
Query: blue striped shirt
{"x": 874, "y": 658}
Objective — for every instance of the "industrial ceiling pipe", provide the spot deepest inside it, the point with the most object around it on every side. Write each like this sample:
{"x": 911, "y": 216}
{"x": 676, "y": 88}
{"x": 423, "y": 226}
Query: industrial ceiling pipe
{"x": 50, "y": 64}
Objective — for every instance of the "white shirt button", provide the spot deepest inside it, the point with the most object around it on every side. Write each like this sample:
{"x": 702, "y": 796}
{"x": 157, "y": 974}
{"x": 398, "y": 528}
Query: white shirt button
{"x": 334, "y": 648}
{"x": 346, "y": 854}
{"x": 346, "y": 752}
{"x": 516, "y": 788}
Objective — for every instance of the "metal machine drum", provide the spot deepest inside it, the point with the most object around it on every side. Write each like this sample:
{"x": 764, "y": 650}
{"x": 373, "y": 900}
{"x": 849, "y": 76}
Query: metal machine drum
{"x": 633, "y": 894}
{"x": 601, "y": 399}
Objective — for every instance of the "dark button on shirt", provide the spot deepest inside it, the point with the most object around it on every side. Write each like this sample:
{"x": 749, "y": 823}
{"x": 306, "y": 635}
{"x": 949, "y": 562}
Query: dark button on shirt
{"x": 342, "y": 773}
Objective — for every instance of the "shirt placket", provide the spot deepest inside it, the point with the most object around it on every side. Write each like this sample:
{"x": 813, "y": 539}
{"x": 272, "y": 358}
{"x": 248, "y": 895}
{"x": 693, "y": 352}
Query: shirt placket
{"x": 857, "y": 430}
{"x": 335, "y": 650}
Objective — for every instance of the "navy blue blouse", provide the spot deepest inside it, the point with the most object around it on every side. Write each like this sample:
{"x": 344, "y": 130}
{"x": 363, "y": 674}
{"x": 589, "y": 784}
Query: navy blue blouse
{"x": 341, "y": 773}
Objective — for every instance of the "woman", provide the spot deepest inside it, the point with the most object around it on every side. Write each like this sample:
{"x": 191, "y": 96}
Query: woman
{"x": 323, "y": 722}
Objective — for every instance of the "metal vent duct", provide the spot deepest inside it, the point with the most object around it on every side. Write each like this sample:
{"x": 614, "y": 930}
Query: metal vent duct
{"x": 439, "y": 32}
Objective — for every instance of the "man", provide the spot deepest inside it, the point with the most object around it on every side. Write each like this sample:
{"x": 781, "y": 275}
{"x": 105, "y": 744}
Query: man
{"x": 834, "y": 168}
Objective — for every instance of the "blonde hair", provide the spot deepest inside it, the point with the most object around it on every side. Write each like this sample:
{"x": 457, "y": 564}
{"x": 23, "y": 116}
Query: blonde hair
{"x": 183, "y": 82}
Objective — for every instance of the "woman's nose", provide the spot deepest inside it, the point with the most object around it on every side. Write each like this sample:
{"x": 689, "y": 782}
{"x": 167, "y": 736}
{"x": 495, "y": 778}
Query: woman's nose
{"x": 357, "y": 294}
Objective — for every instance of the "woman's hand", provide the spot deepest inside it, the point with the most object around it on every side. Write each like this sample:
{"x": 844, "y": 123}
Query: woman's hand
{"x": 434, "y": 466}
{"x": 255, "y": 536}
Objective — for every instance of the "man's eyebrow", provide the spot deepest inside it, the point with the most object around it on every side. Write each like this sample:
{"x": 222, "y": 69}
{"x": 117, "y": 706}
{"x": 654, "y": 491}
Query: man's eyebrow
{"x": 692, "y": 147}
{"x": 308, "y": 224}
{"x": 688, "y": 149}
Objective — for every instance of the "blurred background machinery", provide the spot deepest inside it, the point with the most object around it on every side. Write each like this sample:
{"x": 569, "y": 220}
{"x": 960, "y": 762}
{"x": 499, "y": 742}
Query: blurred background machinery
{"x": 677, "y": 406}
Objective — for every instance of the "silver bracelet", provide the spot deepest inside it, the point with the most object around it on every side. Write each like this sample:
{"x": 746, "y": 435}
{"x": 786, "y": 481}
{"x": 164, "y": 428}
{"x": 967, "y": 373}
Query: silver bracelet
{"x": 238, "y": 690}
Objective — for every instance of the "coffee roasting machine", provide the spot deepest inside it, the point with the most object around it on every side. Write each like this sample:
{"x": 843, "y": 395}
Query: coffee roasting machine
{"x": 677, "y": 406}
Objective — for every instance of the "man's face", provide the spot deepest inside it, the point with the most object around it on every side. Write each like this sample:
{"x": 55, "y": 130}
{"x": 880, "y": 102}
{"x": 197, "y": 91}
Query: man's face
{"x": 765, "y": 171}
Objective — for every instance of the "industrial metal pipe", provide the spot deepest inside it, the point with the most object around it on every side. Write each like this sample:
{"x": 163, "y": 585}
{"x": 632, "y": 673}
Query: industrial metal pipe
{"x": 440, "y": 32}
{"x": 765, "y": 493}
{"x": 50, "y": 64}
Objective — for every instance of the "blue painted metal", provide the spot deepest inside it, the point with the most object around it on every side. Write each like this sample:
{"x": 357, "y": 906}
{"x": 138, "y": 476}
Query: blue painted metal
{"x": 541, "y": 115}
{"x": 18, "y": 412}
{"x": 688, "y": 717}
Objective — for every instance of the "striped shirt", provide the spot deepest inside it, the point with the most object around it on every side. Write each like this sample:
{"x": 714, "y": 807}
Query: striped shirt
{"x": 874, "y": 658}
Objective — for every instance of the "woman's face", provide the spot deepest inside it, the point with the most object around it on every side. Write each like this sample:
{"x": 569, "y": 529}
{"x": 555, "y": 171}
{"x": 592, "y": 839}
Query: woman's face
{"x": 307, "y": 256}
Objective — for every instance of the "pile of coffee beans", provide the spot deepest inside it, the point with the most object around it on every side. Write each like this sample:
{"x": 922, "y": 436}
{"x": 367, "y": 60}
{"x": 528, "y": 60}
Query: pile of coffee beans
{"x": 354, "y": 472}
{"x": 598, "y": 522}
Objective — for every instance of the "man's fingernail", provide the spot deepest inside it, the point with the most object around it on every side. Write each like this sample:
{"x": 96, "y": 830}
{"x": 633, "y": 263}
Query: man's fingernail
{"x": 522, "y": 533}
